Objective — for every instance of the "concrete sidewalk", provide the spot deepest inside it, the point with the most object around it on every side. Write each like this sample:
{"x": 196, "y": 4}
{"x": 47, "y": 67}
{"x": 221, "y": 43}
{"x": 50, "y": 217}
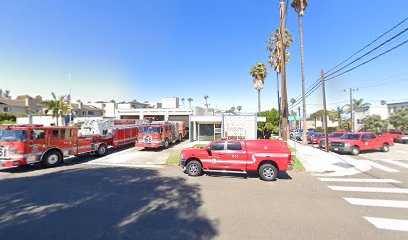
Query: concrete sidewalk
{"x": 322, "y": 163}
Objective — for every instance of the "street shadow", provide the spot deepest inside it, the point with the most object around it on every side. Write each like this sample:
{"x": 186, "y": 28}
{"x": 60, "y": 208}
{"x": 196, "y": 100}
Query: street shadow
{"x": 102, "y": 203}
{"x": 281, "y": 175}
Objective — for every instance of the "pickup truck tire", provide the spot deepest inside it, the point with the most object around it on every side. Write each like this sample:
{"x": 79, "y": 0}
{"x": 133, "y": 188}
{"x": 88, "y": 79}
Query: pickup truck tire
{"x": 194, "y": 168}
{"x": 102, "y": 149}
{"x": 355, "y": 150}
{"x": 180, "y": 138}
{"x": 166, "y": 143}
{"x": 51, "y": 158}
{"x": 385, "y": 147}
{"x": 268, "y": 172}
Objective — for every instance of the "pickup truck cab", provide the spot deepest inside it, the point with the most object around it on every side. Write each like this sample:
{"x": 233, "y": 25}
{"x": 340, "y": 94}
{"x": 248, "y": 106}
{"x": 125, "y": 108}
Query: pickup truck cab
{"x": 332, "y": 136}
{"x": 404, "y": 139}
{"x": 354, "y": 143}
{"x": 267, "y": 157}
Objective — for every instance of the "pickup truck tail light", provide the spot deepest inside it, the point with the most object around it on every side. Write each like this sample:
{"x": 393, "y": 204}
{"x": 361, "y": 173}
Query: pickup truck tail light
{"x": 290, "y": 159}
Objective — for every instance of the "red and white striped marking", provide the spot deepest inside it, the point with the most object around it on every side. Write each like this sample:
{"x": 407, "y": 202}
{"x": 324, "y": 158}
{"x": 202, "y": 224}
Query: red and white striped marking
{"x": 377, "y": 202}
{"x": 389, "y": 223}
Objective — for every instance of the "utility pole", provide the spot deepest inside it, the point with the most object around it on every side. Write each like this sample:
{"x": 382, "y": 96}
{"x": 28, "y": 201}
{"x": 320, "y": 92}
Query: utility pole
{"x": 326, "y": 132}
{"x": 285, "y": 132}
{"x": 300, "y": 121}
{"x": 351, "y": 90}
{"x": 279, "y": 105}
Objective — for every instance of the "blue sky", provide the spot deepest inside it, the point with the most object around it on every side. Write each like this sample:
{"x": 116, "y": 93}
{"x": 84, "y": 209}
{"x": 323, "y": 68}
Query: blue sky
{"x": 147, "y": 50}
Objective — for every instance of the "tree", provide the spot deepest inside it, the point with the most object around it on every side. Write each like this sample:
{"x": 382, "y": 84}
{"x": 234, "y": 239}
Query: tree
{"x": 373, "y": 123}
{"x": 38, "y": 99}
{"x": 316, "y": 115}
{"x": 112, "y": 101}
{"x": 383, "y": 102}
{"x": 56, "y": 106}
{"x": 239, "y": 108}
{"x": 271, "y": 124}
{"x": 300, "y": 7}
{"x": 182, "y": 100}
{"x": 232, "y": 109}
{"x": 206, "y": 101}
{"x": 292, "y": 101}
{"x": 274, "y": 48}
{"x": 5, "y": 94}
{"x": 189, "y": 101}
{"x": 259, "y": 72}
{"x": 78, "y": 101}
{"x": 357, "y": 104}
{"x": 399, "y": 119}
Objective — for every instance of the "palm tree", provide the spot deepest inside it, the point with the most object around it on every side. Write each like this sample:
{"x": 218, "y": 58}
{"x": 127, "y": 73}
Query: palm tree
{"x": 357, "y": 104}
{"x": 182, "y": 99}
{"x": 292, "y": 101}
{"x": 383, "y": 102}
{"x": 339, "y": 112}
{"x": 190, "y": 100}
{"x": 300, "y": 7}
{"x": 56, "y": 106}
{"x": 206, "y": 101}
{"x": 232, "y": 109}
{"x": 6, "y": 94}
{"x": 239, "y": 108}
{"x": 259, "y": 72}
{"x": 273, "y": 47}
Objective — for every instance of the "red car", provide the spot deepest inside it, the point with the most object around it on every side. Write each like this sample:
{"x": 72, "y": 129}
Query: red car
{"x": 394, "y": 134}
{"x": 332, "y": 136}
{"x": 267, "y": 157}
{"x": 314, "y": 138}
{"x": 354, "y": 143}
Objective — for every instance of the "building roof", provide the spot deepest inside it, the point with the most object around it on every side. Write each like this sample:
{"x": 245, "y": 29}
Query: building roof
{"x": 397, "y": 103}
{"x": 16, "y": 103}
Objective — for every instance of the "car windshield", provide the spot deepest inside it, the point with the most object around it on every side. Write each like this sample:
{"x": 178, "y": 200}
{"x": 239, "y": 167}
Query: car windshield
{"x": 13, "y": 135}
{"x": 351, "y": 136}
{"x": 149, "y": 130}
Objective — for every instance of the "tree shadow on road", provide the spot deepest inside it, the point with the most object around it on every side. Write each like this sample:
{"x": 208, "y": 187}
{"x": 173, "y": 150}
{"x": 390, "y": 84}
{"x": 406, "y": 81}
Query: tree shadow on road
{"x": 102, "y": 203}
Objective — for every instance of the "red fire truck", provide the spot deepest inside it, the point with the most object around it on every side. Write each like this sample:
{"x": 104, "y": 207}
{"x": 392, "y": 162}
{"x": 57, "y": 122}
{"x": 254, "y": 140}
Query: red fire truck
{"x": 27, "y": 144}
{"x": 160, "y": 134}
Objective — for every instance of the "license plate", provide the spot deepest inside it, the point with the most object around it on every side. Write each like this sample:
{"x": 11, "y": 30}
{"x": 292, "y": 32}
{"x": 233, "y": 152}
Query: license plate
{"x": 336, "y": 149}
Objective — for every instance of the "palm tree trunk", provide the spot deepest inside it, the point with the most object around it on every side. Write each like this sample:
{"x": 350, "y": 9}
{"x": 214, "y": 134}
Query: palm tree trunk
{"x": 279, "y": 104}
{"x": 304, "y": 138}
{"x": 259, "y": 100}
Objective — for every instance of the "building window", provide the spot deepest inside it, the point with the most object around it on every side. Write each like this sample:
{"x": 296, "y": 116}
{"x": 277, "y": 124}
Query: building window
{"x": 359, "y": 121}
{"x": 6, "y": 109}
{"x": 83, "y": 113}
{"x": 90, "y": 113}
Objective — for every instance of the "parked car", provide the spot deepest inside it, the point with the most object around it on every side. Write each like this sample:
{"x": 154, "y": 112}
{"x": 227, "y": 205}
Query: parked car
{"x": 404, "y": 139}
{"x": 332, "y": 136}
{"x": 354, "y": 143}
{"x": 295, "y": 133}
{"x": 314, "y": 139}
{"x": 394, "y": 134}
{"x": 309, "y": 136}
{"x": 267, "y": 157}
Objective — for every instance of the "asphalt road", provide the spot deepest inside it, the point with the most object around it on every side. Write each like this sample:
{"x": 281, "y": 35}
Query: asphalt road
{"x": 87, "y": 201}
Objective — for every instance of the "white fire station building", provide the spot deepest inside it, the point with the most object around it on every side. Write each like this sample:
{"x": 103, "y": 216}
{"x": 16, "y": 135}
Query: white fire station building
{"x": 202, "y": 124}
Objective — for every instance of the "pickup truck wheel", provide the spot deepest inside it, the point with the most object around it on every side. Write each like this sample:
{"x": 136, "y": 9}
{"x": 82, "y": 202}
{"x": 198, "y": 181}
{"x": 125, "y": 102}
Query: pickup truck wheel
{"x": 102, "y": 149}
{"x": 268, "y": 172}
{"x": 166, "y": 143}
{"x": 385, "y": 147}
{"x": 180, "y": 138}
{"x": 355, "y": 151}
{"x": 51, "y": 159}
{"x": 193, "y": 168}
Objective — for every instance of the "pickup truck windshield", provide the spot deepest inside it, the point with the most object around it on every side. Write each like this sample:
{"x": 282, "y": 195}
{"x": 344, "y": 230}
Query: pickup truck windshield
{"x": 351, "y": 136}
{"x": 149, "y": 130}
{"x": 13, "y": 135}
{"x": 335, "y": 135}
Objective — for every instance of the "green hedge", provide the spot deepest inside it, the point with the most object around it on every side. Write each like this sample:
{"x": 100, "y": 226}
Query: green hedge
{"x": 7, "y": 117}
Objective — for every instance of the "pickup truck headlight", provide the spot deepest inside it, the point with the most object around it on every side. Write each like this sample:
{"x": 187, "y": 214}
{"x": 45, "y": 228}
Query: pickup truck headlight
{"x": 181, "y": 156}
{"x": 347, "y": 145}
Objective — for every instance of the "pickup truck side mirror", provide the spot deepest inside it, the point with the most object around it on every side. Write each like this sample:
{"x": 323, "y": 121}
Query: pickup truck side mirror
{"x": 209, "y": 151}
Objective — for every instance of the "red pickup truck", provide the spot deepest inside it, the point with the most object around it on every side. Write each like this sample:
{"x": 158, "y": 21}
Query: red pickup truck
{"x": 395, "y": 134}
{"x": 267, "y": 157}
{"x": 354, "y": 143}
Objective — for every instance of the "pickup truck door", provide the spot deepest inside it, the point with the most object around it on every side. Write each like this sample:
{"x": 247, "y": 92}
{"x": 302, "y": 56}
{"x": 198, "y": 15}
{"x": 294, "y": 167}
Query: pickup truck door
{"x": 374, "y": 140}
{"x": 235, "y": 157}
{"x": 215, "y": 154}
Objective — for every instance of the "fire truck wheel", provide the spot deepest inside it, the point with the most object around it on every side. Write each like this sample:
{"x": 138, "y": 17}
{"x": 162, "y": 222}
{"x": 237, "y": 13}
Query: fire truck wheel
{"x": 166, "y": 143}
{"x": 180, "y": 138}
{"x": 51, "y": 159}
{"x": 193, "y": 168}
{"x": 102, "y": 149}
{"x": 268, "y": 172}
{"x": 355, "y": 150}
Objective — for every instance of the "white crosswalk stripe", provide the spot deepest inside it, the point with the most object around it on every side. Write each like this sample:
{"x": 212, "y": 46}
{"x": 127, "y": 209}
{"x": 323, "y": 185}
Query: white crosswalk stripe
{"x": 377, "y": 202}
{"x": 359, "y": 180}
{"x": 400, "y": 164}
{"x": 369, "y": 189}
{"x": 379, "y": 166}
{"x": 389, "y": 223}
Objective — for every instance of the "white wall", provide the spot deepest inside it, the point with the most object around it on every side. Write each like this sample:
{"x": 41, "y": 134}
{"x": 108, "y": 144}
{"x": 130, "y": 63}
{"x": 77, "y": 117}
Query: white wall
{"x": 44, "y": 120}
{"x": 172, "y": 102}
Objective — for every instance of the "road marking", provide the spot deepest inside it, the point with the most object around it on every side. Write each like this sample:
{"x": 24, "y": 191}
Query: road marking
{"x": 359, "y": 180}
{"x": 404, "y": 165}
{"x": 401, "y": 151}
{"x": 389, "y": 223}
{"x": 377, "y": 202}
{"x": 125, "y": 165}
{"x": 379, "y": 166}
{"x": 369, "y": 189}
